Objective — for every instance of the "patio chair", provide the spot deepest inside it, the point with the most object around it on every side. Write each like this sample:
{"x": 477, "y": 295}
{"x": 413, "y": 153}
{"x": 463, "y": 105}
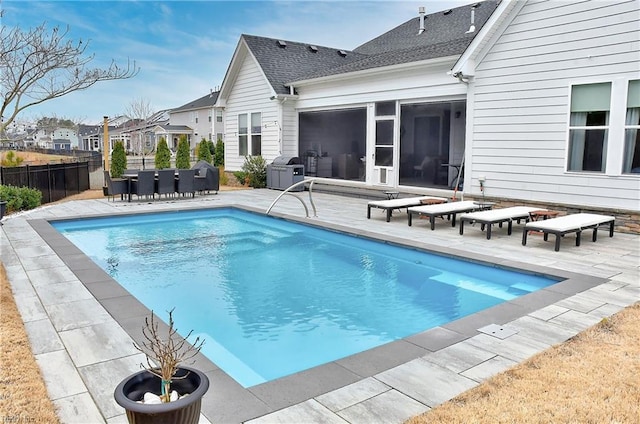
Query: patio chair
{"x": 498, "y": 216}
{"x": 145, "y": 184}
{"x": 207, "y": 177}
{"x": 115, "y": 186}
{"x": 575, "y": 223}
{"x": 166, "y": 182}
{"x": 389, "y": 205}
{"x": 186, "y": 182}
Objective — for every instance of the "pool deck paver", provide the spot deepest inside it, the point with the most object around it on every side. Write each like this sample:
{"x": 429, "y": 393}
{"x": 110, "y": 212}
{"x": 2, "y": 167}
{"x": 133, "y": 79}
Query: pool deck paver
{"x": 81, "y": 323}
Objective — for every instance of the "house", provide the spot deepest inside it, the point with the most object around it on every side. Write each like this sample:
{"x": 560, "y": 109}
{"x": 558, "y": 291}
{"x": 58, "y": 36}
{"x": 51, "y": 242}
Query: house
{"x": 526, "y": 101}
{"x": 202, "y": 117}
{"x": 58, "y": 138}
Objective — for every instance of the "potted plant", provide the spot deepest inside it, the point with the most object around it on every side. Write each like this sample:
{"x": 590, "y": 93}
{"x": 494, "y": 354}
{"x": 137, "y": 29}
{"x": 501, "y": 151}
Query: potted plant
{"x": 165, "y": 392}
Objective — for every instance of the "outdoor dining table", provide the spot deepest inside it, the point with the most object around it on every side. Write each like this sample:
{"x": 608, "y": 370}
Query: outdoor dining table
{"x": 130, "y": 176}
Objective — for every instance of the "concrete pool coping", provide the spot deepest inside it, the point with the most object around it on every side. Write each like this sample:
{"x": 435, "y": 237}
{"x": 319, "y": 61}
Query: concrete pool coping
{"x": 373, "y": 370}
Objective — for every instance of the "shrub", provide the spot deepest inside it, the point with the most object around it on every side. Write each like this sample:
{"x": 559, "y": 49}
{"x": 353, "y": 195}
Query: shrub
{"x": 224, "y": 179}
{"x": 256, "y": 169}
{"x": 20, "y": 198}
{"x": 118, "y": 160}
{"x": 163, "y": 155}
{"x": 11, "y": 159}
{"x": 204, "y": 152}
{"x": 182, "y": 156}
{"x": 218, "y": 158}
{"x": 241, "y": 176}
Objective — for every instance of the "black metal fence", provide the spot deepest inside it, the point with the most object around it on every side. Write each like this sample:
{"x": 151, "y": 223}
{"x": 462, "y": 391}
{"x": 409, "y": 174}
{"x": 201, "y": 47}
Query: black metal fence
{"x": 55, "y": 181}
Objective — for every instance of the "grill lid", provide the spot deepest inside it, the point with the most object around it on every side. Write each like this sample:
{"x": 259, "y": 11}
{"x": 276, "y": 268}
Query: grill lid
{"x": 286, "y": 160}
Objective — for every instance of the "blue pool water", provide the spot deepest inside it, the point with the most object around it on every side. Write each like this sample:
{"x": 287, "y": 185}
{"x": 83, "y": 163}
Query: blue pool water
{"x": 272, "y": 297}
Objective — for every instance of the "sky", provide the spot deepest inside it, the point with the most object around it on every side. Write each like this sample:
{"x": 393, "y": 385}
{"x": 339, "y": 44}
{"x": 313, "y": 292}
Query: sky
{"x": 183, "y": 48}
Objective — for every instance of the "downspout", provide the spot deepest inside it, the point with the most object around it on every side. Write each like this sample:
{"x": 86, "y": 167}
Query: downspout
{"x": 462, "y": 79}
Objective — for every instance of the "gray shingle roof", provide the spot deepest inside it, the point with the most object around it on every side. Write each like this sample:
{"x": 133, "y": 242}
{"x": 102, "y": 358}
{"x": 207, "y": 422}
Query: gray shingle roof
{"x": 204, "y": 101}
{"x": 441, "y": 27}
{"x": 444, "y": 35}
{"x": 295, "y": 60}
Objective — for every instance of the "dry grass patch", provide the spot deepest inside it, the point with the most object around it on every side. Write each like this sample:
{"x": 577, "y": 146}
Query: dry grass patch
{"x": 23, "y": 395}
{"x": 34, "y": 158}
{"x": 592, "y": 378}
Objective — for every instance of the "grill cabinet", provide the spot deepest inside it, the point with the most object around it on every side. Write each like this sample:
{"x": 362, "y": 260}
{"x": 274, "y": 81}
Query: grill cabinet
{"x": 285, "y": 171}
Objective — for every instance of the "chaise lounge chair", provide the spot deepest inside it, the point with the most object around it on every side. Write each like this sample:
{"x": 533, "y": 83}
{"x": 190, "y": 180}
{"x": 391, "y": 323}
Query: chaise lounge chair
{"x": 497, "y": 216}
{"x": 390, "y": 205}
{"x": 562, "y": 225}
{"x": 442, "y": 209}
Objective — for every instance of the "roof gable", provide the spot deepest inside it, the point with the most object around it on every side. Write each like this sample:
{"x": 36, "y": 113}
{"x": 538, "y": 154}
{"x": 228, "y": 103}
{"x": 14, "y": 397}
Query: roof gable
{"x": 283, "y": 61}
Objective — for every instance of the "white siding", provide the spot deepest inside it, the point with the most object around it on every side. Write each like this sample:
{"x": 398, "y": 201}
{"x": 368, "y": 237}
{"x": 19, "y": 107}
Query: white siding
{"x": 519, "y": 102}
{"x": 250, "y": 93}
{"x": 418, "y": 83}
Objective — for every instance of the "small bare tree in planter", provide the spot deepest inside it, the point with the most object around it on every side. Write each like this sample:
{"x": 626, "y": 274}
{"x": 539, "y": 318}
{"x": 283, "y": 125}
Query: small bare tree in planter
{"x": 163, "y": 375}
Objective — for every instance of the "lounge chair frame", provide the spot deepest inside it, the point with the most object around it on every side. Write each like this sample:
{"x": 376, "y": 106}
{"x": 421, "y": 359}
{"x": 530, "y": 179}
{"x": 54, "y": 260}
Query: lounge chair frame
{"x": 440, "y": 210}
{"x": 390, "y": 205}
{"x": 497, "y": 216}
{"x": 589, "y": 222}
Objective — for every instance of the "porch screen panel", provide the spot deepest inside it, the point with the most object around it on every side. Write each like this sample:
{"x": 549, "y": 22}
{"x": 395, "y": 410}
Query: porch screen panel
{"x": 332, "y": 143}
{"x": 384, "y": 143}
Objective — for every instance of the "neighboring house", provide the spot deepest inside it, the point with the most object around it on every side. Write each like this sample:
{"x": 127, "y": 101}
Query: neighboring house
{"x": 201, "y": 116}
{"x": 58, "y": 138}
{"x": 90, "y": 138}
{"x": 538, "y": 98}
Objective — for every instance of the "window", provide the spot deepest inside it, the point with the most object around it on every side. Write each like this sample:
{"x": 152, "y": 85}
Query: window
{"x": 631, "y": 133}
{"x": 242, "y": 134}
{"x": 256, "y": 134}
{"x": 218, "y": 115}
{"x": 588, "y": 127}
{"x": 253, "y": 133}
{"x": 219, "y": 136}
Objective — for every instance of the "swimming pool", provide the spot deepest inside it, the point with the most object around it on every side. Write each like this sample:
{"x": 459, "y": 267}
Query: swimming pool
{"x": 273, "y": 297}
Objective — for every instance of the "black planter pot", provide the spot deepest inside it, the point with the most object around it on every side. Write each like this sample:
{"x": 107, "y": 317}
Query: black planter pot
{"x": 182, "y": 411}
{"x": 3, "y": 209}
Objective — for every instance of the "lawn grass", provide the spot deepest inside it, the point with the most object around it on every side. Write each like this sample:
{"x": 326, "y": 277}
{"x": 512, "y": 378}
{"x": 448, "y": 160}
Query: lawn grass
{"x": 23, "y": 395}
{"x": 592, "y": 378}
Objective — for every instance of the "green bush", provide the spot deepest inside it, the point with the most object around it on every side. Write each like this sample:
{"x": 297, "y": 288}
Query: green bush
{"x": 218, "y": 157}
{"x": 255, "y": 168}
{"x": 241, "y": 176}
{"x": 11, "y": 159}
{"x": 20, "y": 198}
{"x": 163, "y": 155}
{"x": 118, "y": 160}
{"x": 182, "y": 156}
{"x": 204, "y": 152}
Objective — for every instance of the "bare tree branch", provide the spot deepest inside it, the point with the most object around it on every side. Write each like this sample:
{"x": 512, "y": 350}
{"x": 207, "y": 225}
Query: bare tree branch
{"x": 39, "y": 65}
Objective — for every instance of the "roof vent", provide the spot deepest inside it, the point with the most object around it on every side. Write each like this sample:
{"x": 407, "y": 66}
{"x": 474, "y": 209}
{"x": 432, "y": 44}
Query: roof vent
{"x": 421, "y": 12}
{"x": 342, "y": 53}
{"x": 472, "y": 28}
{"x": 282, "y": 44}
{"x": 313, "y": 48}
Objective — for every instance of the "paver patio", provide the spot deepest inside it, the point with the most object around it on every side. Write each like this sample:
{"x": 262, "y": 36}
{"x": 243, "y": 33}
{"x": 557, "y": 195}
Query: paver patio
{"x": 80, "y": 322}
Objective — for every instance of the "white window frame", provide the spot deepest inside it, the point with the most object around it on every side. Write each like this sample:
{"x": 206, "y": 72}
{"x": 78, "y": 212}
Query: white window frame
{"x": 573, "y": 127}
{"x": 629, "y": 110}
